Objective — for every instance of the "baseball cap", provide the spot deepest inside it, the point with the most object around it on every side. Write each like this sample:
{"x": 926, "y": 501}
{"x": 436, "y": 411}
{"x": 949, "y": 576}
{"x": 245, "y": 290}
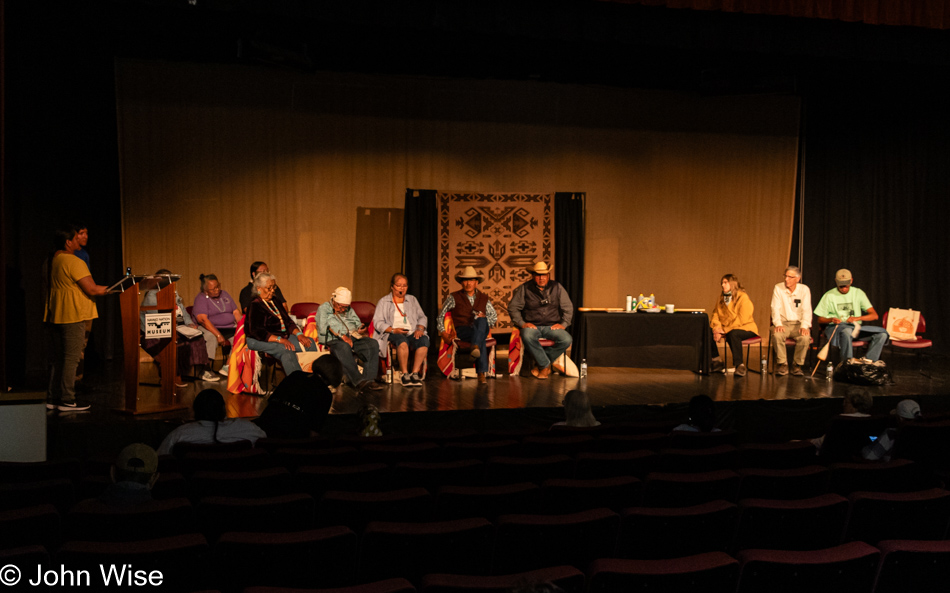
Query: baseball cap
{"x": 843, "y": 277}
{"x": 137, "y": 458}
{"x": 908, "y": 409}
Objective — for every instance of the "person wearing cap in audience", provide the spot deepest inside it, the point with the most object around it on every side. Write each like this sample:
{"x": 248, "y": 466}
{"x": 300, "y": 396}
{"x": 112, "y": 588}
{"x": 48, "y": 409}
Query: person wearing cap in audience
{"x": 907, "y": 410}
{"x": 848, "y": 307}
{"x": 211, "y": 425}
{"x": 299, "y": 405}
{"x": 541, "y": 308}
{"x": 268, "y": 327}
{"x": 791, "y": 317}
{"x": 341, "y": 330}
{"x": 134, "y": 473}
{"x": 472, "y": 315}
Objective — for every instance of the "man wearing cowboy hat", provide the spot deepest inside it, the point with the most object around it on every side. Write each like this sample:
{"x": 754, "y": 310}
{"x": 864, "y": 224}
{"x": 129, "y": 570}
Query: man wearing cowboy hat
{"x": 472, "y": 315}
{"x": 345, "y": 335}
{"x": 848, "y": 307}
{"x": 541, "y": 309}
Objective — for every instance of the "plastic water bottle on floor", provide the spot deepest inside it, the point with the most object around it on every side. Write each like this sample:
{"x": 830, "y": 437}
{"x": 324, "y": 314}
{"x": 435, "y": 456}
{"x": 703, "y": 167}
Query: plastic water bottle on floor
{"x": 829, "y": 370}
{"x": 584, "y": 368}
{"x": 764, "y": 363}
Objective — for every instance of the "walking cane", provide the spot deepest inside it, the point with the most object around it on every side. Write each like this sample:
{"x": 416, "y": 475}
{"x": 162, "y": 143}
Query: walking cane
{"x": 823, "y": 353}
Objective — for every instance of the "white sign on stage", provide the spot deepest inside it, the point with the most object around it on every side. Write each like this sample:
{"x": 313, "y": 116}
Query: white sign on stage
{"x": 158, "y": 325}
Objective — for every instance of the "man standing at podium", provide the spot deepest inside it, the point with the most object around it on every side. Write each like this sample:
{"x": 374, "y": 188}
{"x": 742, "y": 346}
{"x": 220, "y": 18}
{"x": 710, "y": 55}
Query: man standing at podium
{"x": 69, "y": 305}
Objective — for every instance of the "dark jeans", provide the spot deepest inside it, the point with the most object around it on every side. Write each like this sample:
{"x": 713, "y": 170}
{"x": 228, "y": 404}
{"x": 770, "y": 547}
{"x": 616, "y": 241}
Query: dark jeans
{"x": 476, "y": 336}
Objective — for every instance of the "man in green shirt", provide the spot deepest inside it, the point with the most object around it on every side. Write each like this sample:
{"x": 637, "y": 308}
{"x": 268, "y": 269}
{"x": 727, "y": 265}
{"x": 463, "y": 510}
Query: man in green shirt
{"x": 848, "y": 308}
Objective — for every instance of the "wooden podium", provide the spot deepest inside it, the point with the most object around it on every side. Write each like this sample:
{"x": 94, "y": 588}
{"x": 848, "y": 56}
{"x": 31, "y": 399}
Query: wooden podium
{"x": 131, "y": 288}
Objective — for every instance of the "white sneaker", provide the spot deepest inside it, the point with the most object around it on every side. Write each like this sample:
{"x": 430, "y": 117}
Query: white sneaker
{"x": 223, "y": 371}
{"x": 210, "y": 377}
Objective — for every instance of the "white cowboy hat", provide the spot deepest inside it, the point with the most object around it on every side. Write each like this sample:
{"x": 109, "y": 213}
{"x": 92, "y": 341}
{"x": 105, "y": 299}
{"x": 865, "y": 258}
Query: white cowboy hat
{"x": 468, "y": 273}
{"x": 540, "y": 268}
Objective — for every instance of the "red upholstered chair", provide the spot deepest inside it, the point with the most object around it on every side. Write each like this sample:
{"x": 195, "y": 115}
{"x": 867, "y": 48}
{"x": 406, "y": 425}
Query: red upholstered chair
{"x": 789, "y": 343}
{"x": 318, "y": 479}
{"x": 276, "y": 514}
{"x": 59, "y": 492}
{"x": 848, "y": 568}
{"x": 807, "y": 524}
{"x": 508, "y": 470}
{"x": 481, "y": 449}
{"x": 387, "y": 586}
{"x": 688, "y": 439}
{"x": 748, "y": 343}
{"x": 36, "y": 471}
{"x": 246, "y": 559}
{"x": 680, "y": 490}
{"x": 304, "y": 309}
{"x": 566, "y": 578}
{"x": 250, "y": 484}
{"x": 674, "y": 532}
{"x": 431, "y": 475}
{"x": 393, "y": 453}
{"x": 182, "y": 560}
{"x": 713, "y": 572}
{"x": 567, "y": 495}
{"x": 608, "y": 465}
{"x": 460, "y": 502}
{"x": 784, "y": 484}
{"x": 356, "y": 509}
{"x": 774, "y": 455}
{"x": 411, "y": 550}
{"x": 516, "y": 356}
{"x": 566, "y": 444}
{"x": 899, "y": 475}
{"x": 575, "y": 539}
{"x": 448, "y": 354}
{"x": 877, "y": 516}
{"x": 296, "y": 458}
{"x": 697, "y": 460}
{"x": 908, "y": 565}
{"x": 91, "y": 520}
{"x": 917, "y": 344}
{"x": 231, "y": 461}
{"x": 36, "y": 525}
{"x": 624, "y": 443}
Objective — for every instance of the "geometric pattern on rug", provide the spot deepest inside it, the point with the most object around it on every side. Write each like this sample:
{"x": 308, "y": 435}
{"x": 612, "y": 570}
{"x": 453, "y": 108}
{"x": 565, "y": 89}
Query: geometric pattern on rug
{"x": 498, "y": 234}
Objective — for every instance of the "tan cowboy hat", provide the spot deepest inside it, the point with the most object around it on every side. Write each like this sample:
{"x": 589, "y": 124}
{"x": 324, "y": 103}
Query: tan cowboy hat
{"x": 540, "y": 268}
{"x": 468, "y": 273}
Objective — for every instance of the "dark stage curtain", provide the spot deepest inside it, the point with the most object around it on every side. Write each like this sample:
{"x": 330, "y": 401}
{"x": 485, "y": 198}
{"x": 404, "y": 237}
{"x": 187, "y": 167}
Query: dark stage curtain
{"x": 420, "y": 251}
{"x": 569, "y": 237}
{"x": 876, "y": 194}
{"x": 932, "y": 14}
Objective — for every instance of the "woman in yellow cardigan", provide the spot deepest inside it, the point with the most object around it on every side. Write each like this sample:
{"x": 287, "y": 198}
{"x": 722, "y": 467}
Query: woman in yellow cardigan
{"x": 732, "y": 319}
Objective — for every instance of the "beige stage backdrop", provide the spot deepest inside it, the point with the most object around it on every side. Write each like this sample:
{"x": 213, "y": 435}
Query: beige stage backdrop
{"x": 223, "y": 165}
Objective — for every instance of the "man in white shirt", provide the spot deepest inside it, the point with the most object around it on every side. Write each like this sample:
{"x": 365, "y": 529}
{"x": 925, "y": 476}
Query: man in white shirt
{"x": 791, "y": 318}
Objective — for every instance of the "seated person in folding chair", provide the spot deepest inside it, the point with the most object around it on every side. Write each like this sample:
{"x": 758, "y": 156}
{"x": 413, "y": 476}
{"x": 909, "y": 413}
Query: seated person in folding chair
{"x": 399, "y": 321}
{"x": 341, "y": 331}
{"x": 472, "y": 315}
{"x": 268, "y": 327}
{"x": 791, "y": 317}
{"x": 732, "y": 319}
{"x": 541, "y": 309}
{"x": 848, "y": 307}
{"x": 191, "y": 351}
{"x": 218, "y": 317}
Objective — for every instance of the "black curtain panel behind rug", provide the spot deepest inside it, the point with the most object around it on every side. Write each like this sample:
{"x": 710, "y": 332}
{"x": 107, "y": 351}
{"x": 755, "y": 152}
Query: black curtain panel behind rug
{"x": 569, "y": 226}
{"x": 420, "y": 250}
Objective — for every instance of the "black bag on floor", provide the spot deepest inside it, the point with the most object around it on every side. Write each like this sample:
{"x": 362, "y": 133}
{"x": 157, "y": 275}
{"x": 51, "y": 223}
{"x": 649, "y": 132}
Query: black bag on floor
{"x": 862, "y": 373}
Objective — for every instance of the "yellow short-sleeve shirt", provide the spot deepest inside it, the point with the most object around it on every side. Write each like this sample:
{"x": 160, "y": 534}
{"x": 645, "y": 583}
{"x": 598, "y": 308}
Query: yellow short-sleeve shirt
{"x": 67, "y": 302}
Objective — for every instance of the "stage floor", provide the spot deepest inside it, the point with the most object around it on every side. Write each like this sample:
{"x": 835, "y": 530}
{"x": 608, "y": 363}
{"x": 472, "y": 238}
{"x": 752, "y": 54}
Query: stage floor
{"x": 617, "y": 393}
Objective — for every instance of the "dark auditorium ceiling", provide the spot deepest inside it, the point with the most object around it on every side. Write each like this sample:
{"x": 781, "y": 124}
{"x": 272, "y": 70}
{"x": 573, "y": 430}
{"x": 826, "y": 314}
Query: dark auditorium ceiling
{"x": 627, "y": 43}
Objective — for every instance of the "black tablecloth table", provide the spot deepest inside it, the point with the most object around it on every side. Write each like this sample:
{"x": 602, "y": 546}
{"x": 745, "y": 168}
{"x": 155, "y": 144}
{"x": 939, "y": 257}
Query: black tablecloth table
{"x": 644, "y": 340}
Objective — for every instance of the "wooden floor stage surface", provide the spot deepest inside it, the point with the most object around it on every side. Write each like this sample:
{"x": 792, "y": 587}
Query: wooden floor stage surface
{"x": 751, "y": 403}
